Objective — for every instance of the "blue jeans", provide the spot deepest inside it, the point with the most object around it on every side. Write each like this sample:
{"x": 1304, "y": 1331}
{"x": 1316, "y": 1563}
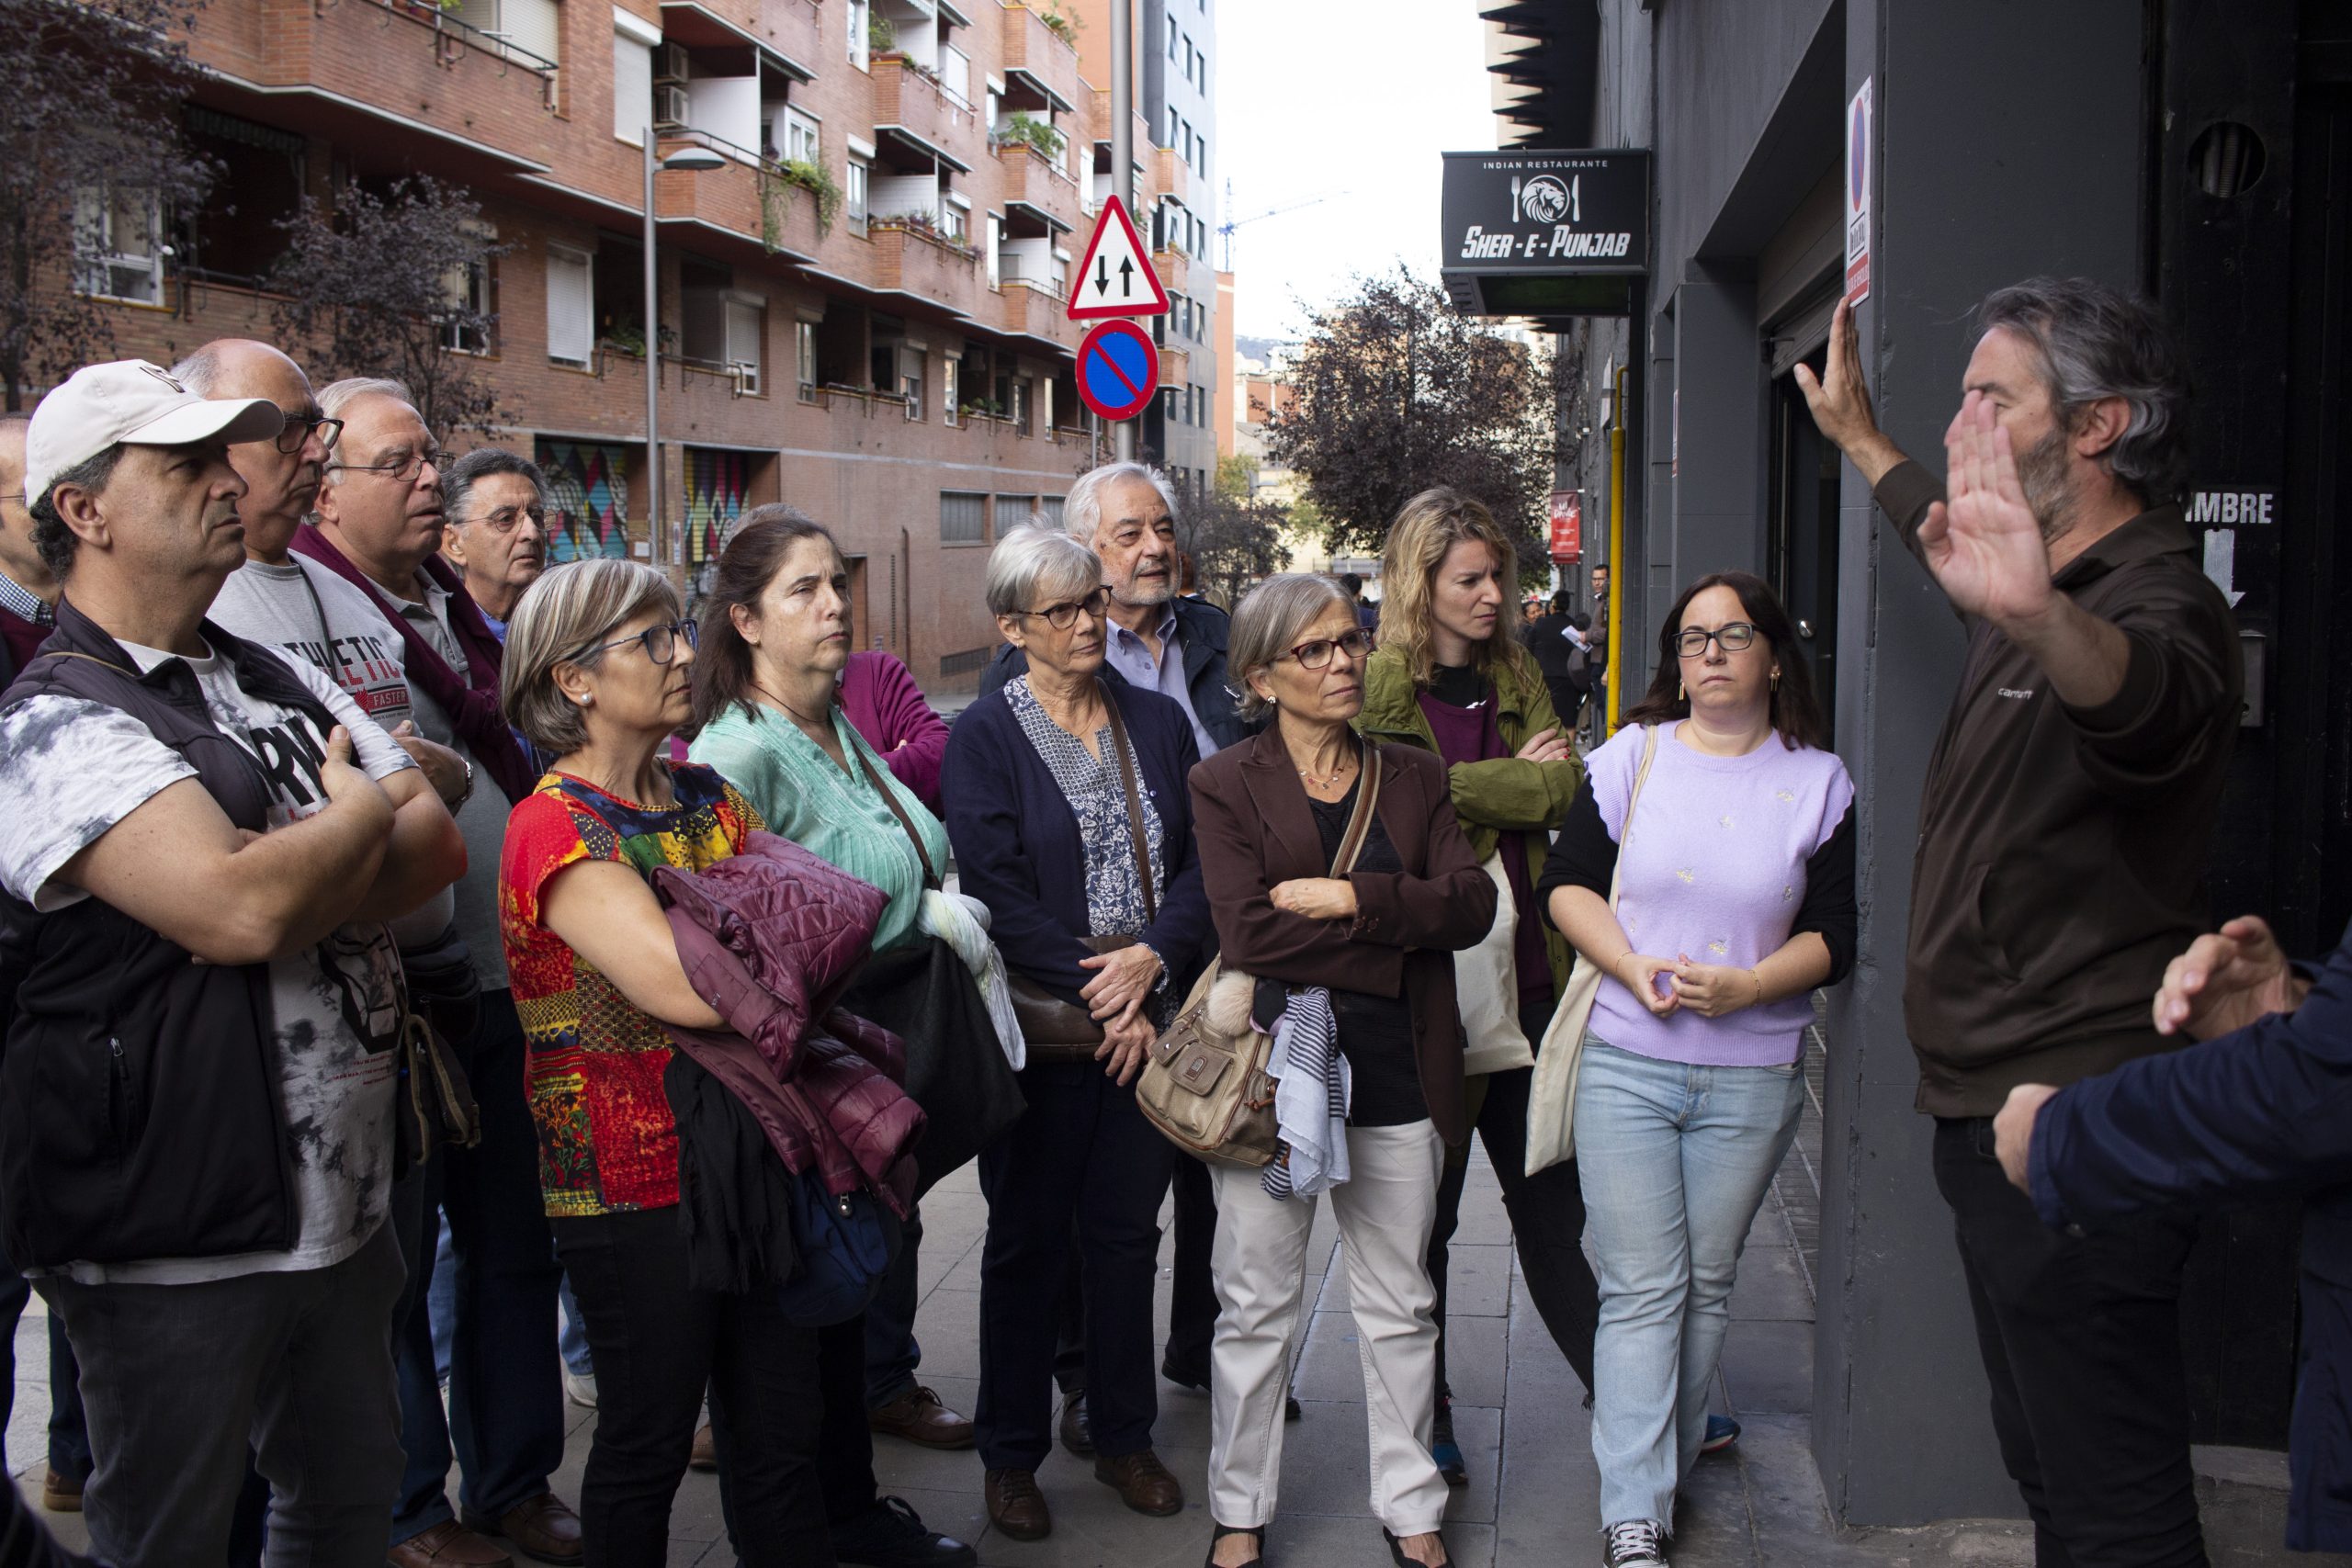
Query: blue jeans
{"x": 1675, "y": 1161}
{"x": 504, "y": 1419}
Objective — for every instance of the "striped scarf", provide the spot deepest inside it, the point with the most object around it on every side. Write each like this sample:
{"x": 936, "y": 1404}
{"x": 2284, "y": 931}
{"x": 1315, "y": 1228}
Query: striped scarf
{"x": 1310, "y": 1096}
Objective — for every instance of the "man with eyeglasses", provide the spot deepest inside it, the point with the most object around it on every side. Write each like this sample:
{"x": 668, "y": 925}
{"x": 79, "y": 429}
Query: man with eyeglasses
{"x": 496, "y": 528}
{"x": 380, "y": 519}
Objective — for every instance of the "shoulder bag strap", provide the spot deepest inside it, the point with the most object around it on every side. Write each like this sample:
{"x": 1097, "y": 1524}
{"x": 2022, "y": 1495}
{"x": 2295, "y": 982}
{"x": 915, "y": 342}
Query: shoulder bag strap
{"x": 1625, "y": 833}
{"x": 1134, "y": 802}
{"x": 1360, "y": 819}
{"x": 931, "y": 877}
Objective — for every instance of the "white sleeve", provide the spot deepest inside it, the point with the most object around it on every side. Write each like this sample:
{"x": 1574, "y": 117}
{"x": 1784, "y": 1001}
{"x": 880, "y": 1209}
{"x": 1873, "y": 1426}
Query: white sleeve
{"x": 379, "y": 755}
{"x": 70, "y": 769}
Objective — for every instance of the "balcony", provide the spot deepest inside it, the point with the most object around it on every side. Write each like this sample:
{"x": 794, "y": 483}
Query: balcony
{"x": 400, "y": 80}
{"x": 1170, "y": 174}
{"x": 1172, "y": 265}
{"x": 1175, "y": 364}
{"x": 784, "y": 30}
{"x": 911, "y": 258}
{"x": 1038, "y": 312}
{"x": 914, "y": 110}
{"x": 748, "y": 197}
{"x": 1039, "y": 197}
{"x": 1039, "y": 63}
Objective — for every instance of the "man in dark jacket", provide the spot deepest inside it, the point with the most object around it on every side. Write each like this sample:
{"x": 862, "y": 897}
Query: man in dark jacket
{"x": 2060, "y": 861}
{"x": 1567, "y": 672}
{"x": 2262, "y": 1111}
{"x": 203, "y": 1200}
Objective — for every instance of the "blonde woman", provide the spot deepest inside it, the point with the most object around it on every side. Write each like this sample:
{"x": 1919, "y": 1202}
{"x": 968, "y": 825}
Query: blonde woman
{"x": 1451, "y": 677}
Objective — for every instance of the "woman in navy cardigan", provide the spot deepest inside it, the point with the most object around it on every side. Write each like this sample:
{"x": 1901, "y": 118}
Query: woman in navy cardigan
{"x": 1106, "y": 914}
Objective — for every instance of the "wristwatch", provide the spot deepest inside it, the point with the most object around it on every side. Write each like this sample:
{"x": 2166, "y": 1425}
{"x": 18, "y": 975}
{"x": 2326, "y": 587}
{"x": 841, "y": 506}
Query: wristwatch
{"x": 466, "y": 793}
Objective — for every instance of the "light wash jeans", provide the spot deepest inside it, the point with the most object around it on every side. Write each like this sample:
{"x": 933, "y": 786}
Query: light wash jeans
{"x": 1675, "y": 1161}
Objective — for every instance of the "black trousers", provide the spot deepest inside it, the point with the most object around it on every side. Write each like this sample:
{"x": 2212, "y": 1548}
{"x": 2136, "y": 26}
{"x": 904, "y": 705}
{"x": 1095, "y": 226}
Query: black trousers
{"x": 1082, "y": 1154}
{"x": 1192, "y": 1291}
{"x": 845, "y": 1443}
{"x": 658, "y": 1345}
{"x": 1547, "y": 1215}
{"x": 2081, "y": 1340}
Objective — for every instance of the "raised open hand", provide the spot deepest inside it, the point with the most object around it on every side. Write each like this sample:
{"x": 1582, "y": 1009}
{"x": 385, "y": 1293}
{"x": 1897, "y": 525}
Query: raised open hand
{"x": 1983, "y": 544}
{"x": 1840, "y": 401}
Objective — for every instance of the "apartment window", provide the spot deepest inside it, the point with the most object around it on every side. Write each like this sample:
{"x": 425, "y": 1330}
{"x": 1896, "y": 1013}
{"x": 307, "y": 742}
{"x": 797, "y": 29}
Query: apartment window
{"x": 949, "y": 374}
{"x": 963, "y": 518}
{"x": 1171, "y": 38}
{"x": 1175, "y": 129}
{"x": 1011, "y": 512}
{"x": 1021, "y": 405}
{"x": 118, "y": 243}
{"x": 743, "y": 318}
{"x": 632, "y": 86}
{"x": 1046, "y": 402}
{"x": 534, "y": 25}
{"x": 858, "y": 11}
{"x": 955, "y": 221}
{"x": 853, "y": 193}
{"x": 916, "y": 371}
{"x": 571, "y": 307}
{"x": 804, "y": 356}
{"x": 467, "y": 289}
{"x": 1051, "y": 505}
{"x": 801, "y": 139}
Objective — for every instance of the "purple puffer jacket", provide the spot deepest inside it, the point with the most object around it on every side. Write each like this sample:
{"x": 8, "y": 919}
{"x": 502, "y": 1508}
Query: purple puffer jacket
{"x": 769, "y": 937}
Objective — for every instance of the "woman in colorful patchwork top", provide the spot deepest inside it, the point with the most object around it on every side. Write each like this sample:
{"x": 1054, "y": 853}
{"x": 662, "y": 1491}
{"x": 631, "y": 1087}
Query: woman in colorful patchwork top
{"x": 597, "y": 676}
{"x": 1068, "y": 808}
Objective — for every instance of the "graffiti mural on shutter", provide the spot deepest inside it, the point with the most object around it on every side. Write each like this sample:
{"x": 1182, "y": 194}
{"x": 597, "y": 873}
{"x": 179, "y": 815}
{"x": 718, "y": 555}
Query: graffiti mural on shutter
{"x": 716, "y": 483}
{"x": 587, "y": 499}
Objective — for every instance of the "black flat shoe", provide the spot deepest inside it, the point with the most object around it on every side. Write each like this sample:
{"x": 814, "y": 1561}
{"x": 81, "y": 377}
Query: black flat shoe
{"x": 1396, "y": 1550}
{"x": 1218, "y": 1532}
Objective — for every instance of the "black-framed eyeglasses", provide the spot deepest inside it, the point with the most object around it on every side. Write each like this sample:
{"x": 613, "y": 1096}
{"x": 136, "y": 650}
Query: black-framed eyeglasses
{"x": 1692, "y": 643}
{"x": 660, "y": 642}
{"x": 1316, "y": 654}
{"x": 401, "y": 469}
{"x": 506, "y": 519}
{"x": 296, "y": 431}
{"x": 1064, "y": 615}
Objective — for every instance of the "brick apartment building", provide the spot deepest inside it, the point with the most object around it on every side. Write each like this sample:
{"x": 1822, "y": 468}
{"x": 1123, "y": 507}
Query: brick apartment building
{"x": 905, "y": 375}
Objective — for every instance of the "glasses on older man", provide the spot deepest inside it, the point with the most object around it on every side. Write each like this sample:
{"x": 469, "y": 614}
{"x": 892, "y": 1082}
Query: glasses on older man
{"x": 660, "y": 642}
{"x": 400, "y": 468}
{"x": 296, "y": 432}
{"x": 1316, "y": 654}
{"x": 506, "y": 519}
{"x": 1064, "y": 615}
{"x": 1734, "y": 634}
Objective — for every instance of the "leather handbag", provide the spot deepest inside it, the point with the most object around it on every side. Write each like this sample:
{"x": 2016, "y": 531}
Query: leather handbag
{"x": 1204, "y": 1083}
{"x": 1054, "y": 1029}
{"x": 1552, "y": 1098}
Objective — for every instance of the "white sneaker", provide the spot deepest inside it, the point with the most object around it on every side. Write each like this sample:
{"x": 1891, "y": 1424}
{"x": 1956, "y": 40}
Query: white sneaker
{"x": 1633, "y": 1543}
{"x": 580, "y": 1388}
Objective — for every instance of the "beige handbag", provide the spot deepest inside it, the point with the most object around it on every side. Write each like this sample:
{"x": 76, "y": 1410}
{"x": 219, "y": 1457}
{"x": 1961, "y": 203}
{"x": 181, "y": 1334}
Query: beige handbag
{"x": 1552, "y": 1099}
{"x": 1486, "y": 986}
{"x": 1204, "y": 1084}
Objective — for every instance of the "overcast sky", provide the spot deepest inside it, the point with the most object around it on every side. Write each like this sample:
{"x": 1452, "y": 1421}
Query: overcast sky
{"x": 1317, "y": 97}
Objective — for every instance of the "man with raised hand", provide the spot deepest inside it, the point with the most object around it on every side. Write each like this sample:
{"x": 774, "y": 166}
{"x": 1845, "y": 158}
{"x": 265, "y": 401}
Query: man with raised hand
{"x": 210, "y": 840}
{"x": 2061, "y": 862}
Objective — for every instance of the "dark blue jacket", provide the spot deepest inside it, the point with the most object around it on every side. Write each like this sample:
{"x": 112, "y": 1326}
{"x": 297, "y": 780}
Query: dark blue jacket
{"x": 1017, "y": 848}
{"x": 2259, "y": 1114}
{"x": 1201, "y": 629}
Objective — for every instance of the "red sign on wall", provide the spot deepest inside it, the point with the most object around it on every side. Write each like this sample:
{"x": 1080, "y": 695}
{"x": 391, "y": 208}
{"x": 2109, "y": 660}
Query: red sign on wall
{"x": 1567, "y": 526}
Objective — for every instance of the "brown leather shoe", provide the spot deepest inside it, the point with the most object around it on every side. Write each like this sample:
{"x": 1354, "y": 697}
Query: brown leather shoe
{"x": 543, "y": 1525}
{"x": 919, "y": 1416}
{"x": 450, "y": 1544}
{"x": 705, "y": 1449}
{"x": 60, "y": 1496}
{"x": 1016, "y": 1506}
{"x": 1142, "y": 1482}
{"x": 1077, "y": 1427}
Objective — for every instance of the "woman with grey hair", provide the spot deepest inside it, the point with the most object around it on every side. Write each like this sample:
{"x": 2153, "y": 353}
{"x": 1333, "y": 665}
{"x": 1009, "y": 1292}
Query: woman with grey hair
{"x": 1342, "y": 885}
{"x": 597, "y": 672}
{"x": 1068, "y": 811}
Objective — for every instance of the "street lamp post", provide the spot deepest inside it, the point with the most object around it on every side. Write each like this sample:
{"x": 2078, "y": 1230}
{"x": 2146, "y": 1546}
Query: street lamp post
{"x": 688, "y": 160}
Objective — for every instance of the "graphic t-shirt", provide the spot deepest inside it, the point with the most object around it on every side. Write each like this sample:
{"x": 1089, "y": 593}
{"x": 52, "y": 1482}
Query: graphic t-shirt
{"x": 74, "y": 768}
{"x": 607, "y": 1142}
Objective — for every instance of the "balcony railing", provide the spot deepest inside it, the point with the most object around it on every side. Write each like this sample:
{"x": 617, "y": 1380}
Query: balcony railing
{"x": 454, "y": 37}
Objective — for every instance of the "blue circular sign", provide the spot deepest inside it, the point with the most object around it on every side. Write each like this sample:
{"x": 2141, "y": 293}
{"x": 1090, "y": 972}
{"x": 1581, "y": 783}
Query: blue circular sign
{"x": 1118, "y": 369}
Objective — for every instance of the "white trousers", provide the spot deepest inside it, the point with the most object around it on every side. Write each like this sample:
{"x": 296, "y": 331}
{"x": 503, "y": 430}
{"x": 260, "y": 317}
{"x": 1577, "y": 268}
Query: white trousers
{"x": 1386, "y": 1210}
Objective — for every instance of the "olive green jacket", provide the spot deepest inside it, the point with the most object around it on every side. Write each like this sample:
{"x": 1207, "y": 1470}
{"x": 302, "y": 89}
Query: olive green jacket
{"x": 1493, "y": 798}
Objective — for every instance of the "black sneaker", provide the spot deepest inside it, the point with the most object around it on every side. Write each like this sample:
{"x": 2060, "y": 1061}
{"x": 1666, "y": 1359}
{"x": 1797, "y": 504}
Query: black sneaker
{"x": 1633, "y": 1543}
{"x": 891, "y": 1535}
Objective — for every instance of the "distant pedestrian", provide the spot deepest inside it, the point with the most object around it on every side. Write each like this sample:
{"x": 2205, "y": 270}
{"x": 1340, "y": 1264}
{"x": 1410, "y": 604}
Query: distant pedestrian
{"x": 1707, "y": 870}
{"x": 1561, "y": 657}
{"x": 1068, "y": 808}
{"x": 1597, "y": 656}
{"x": 1355, "y": 978}
{"x": 2061, "y": 860}
{"x": 1451, "y": 678}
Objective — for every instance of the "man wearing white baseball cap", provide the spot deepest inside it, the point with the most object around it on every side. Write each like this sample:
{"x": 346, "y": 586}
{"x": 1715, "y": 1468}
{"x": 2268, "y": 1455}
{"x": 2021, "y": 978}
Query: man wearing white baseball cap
{"x": 208, "y": 840}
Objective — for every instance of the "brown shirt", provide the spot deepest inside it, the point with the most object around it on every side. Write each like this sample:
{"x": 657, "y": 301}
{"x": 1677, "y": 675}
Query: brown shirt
{"x": 2061, "y": 863}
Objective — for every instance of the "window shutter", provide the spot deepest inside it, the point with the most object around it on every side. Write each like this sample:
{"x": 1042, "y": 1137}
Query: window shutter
{"x": 571, "y": 311}
{"x": 632, "y": 89}
{"x": 743, "y": 341}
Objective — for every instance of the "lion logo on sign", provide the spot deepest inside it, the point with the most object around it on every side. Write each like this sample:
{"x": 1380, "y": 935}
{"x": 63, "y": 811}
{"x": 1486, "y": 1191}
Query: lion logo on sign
{"x": 1545, "y": 200}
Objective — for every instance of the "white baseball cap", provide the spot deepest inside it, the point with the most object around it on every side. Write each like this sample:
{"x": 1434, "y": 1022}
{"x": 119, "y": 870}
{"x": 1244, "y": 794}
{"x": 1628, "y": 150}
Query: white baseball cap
{"x": 131, "y": 402}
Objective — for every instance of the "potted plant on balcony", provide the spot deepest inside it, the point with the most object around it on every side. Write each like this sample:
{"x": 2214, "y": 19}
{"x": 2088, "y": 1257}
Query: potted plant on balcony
{"x": 1027, "y": 129}
{"x": 775, "y": 184}
{"x": 1062, "y": 24}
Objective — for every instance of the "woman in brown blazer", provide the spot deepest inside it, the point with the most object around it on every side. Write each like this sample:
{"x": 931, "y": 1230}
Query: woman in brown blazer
{"x": 1355, "y": 978}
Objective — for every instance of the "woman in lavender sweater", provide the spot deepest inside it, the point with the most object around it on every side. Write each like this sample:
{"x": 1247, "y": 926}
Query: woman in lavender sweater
{"x": 1735, "y": 899}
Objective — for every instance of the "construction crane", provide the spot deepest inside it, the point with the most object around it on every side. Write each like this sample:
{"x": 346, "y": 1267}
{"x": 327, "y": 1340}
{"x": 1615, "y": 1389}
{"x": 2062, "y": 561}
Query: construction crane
{"x": 1226, "y": 228}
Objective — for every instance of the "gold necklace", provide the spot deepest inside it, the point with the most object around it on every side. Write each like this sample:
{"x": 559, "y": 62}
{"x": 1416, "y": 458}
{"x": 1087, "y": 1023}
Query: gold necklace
{"x": 1325, "y": 781}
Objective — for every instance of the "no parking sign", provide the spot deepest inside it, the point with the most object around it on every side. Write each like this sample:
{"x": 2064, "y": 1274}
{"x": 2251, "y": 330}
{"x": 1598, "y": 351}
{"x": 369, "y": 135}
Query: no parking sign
{"x": 1118, "y": 369}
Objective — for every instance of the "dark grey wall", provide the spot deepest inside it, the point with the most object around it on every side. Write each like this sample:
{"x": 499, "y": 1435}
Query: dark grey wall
{"x": 2009, "y": 135}
{"x": 1717, "y": 521}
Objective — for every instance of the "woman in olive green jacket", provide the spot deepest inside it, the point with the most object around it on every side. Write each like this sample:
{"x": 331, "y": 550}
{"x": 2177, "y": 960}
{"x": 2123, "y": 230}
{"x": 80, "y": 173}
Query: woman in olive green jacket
{"x": 1451, "y": 676}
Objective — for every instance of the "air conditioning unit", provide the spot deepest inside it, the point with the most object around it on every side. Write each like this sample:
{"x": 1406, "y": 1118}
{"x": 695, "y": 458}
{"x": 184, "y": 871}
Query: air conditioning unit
{"x": 670, "y": 63}
{"x": 670, "y": 108}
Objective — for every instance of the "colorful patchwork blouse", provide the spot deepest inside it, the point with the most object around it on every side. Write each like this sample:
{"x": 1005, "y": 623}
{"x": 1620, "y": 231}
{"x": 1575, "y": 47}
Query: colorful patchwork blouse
{"x": 607, "y": 1142}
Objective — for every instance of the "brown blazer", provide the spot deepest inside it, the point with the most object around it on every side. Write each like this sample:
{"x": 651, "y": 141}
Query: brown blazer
{"x": 1253, "y": 828}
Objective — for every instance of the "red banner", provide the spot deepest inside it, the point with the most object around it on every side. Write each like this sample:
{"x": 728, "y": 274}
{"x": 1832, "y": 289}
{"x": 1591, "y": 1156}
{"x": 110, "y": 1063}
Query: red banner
{"x": 1567, "y": 526}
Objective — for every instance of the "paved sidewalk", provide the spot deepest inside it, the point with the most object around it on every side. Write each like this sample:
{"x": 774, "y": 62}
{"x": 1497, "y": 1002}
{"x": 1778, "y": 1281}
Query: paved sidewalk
{"x": 1532, "y": 1498}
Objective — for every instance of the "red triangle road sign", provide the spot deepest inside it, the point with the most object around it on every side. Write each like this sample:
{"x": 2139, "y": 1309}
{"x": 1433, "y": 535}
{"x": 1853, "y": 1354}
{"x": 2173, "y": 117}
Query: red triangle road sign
{"x": 1116, "y": 278}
